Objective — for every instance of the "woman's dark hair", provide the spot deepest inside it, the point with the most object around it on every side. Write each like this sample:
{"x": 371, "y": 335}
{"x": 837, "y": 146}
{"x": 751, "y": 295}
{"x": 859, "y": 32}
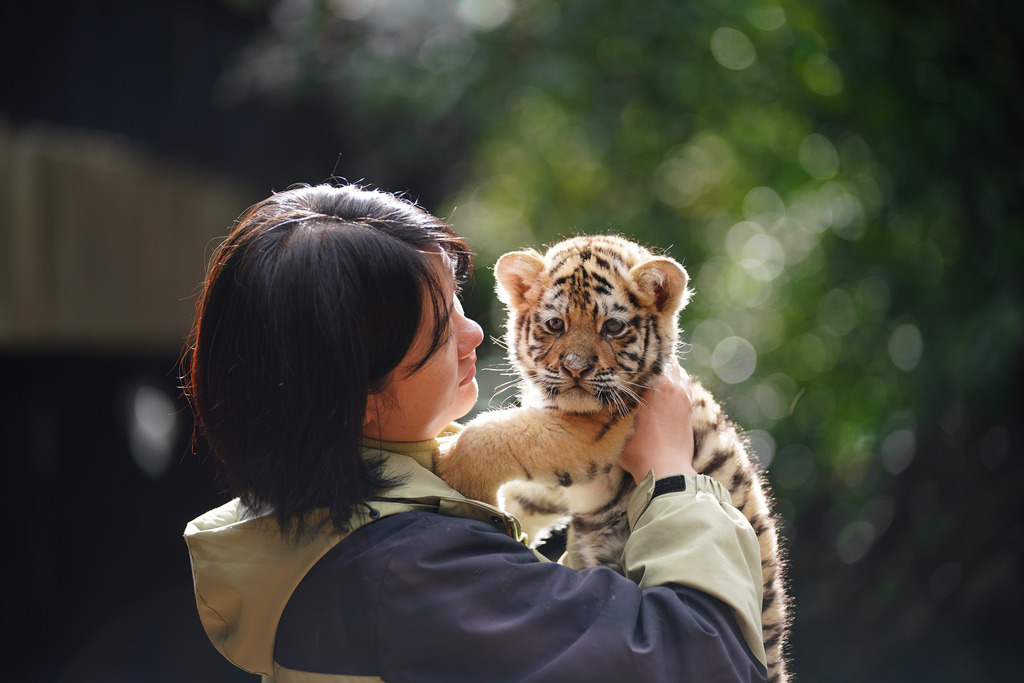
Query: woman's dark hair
{"x": 310, "y": 303}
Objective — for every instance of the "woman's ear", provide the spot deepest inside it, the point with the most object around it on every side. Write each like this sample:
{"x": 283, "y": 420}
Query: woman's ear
{"x": 515, "y": 274}
{"x": 376, "y": 414}
{"x": 372, "y": 412}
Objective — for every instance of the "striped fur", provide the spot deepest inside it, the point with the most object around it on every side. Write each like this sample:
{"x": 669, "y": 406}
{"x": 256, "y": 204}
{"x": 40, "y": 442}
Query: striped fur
{"x": 591, "y": 323}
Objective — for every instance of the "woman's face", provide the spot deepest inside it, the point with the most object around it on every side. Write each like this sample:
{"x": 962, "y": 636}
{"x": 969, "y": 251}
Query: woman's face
{"x": 417, "y": 407}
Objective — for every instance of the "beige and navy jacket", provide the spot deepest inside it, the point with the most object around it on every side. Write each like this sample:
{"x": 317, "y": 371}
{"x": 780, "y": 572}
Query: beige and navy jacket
{"x": 429, "y": 586}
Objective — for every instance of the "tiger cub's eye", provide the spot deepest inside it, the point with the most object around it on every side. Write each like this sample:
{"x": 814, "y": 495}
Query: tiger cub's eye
{"x": 613, "y": 327}
{"x": 555, "y": 324}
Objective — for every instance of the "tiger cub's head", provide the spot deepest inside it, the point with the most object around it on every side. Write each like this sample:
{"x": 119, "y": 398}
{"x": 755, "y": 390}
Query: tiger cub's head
{"x": 592, "y": 321}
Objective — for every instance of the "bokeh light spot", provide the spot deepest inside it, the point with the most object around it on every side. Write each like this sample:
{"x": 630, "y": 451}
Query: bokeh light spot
{"x": 706, "y": 336}
{"x": 854, "y": 541}
{"x": 763, "y": 205}
{"x": 692, "y": 170}
{"x": 898, "y": 450}
{"x": 152, "y": 427}
{"x": 484, "y": 14}
{"x": 763, "y": 257}
{"x": 838, "y": 311}
{"x": 734, "y": 360}
{"x": 767, "y": 17}
{"x": 879, "y": 513}
{"x": 732, "y": 48}
{"x": 847, "y": 211}
{"x": 906, "y": 346}
{"x": 763, "y": 445}
{"x": 822, "y": 76}
{"x": 774, "y": 395}
{"x": 818, "y": 156}
{"x": 445, "y": 50}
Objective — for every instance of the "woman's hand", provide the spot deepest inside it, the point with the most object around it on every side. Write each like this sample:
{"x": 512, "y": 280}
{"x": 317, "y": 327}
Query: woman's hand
{"x": 663, "y": 438}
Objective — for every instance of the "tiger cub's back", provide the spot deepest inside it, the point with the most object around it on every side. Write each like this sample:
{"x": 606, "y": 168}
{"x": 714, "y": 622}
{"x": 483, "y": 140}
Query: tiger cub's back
{"x": 722, "y": 454}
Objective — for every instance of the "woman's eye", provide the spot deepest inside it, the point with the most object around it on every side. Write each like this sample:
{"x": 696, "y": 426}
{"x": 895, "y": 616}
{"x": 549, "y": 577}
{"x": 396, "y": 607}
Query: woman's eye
{"x": 555, "y": 324}
{"x": 613, "y": 327}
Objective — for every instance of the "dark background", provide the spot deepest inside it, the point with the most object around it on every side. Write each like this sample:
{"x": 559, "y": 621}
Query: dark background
{"x": 98, "y": 579}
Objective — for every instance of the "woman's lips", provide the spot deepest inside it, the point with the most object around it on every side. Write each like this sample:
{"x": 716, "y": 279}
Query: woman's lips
{"x": 472, "y": 371}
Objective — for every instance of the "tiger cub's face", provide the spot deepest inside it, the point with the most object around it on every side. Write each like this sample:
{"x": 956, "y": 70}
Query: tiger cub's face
{"x": 592, "y": 321}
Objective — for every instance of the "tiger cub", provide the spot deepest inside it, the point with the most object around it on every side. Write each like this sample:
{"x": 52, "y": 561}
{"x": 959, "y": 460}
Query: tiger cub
{"x": 591, "y": 323}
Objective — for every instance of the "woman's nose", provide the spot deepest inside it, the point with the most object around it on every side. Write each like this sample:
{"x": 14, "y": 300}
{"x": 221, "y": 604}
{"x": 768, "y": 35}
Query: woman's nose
{"x": 471, "y": 336}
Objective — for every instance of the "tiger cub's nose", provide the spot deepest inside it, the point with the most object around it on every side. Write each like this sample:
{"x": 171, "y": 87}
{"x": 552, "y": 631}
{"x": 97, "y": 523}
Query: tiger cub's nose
{"x": 577, "y": 366}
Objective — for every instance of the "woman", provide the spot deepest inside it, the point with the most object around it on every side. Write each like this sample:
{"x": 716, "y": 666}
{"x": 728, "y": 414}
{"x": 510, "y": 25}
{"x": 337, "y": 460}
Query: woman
{"x": 329, "y": 351}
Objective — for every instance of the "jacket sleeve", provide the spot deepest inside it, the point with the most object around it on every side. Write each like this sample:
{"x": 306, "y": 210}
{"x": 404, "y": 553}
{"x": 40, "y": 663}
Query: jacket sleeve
{"x": 685, "y": 531}
{"x": 434, "y": 599}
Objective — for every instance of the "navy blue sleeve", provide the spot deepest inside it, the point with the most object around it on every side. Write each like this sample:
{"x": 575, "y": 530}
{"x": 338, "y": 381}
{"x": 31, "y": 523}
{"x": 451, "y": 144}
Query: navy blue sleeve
{"x": 428, "y": 598}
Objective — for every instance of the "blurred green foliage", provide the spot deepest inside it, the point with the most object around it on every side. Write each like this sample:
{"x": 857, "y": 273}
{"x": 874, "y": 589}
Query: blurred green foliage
{"x": 842, "y": 180}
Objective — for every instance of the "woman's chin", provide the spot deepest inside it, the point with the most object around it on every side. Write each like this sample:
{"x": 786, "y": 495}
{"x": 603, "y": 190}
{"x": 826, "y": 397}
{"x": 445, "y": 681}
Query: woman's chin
{"x": 468, "y": 394}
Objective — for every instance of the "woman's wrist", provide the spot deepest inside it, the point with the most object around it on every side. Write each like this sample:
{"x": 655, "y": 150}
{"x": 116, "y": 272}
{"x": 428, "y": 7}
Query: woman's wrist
{"x": 672, "y": 469}
{"x": 662, "y": 469}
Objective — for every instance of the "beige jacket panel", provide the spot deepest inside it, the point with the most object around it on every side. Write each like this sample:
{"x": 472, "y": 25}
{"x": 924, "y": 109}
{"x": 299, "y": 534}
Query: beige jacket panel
{"x": 244, "y": 572}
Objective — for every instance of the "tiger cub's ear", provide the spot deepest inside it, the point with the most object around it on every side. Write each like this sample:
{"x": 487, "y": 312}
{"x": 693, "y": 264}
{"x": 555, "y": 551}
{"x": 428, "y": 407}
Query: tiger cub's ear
{"x": 515, "y": 274}
{"x": 662, "y": 283}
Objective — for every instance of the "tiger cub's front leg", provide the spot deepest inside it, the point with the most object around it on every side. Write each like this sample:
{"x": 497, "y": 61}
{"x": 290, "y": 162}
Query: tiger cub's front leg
{"x": 540, "y": 445}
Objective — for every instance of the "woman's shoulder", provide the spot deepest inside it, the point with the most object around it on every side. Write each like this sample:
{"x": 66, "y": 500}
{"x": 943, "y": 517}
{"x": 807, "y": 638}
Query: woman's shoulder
{"x": 427, "y": 532}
